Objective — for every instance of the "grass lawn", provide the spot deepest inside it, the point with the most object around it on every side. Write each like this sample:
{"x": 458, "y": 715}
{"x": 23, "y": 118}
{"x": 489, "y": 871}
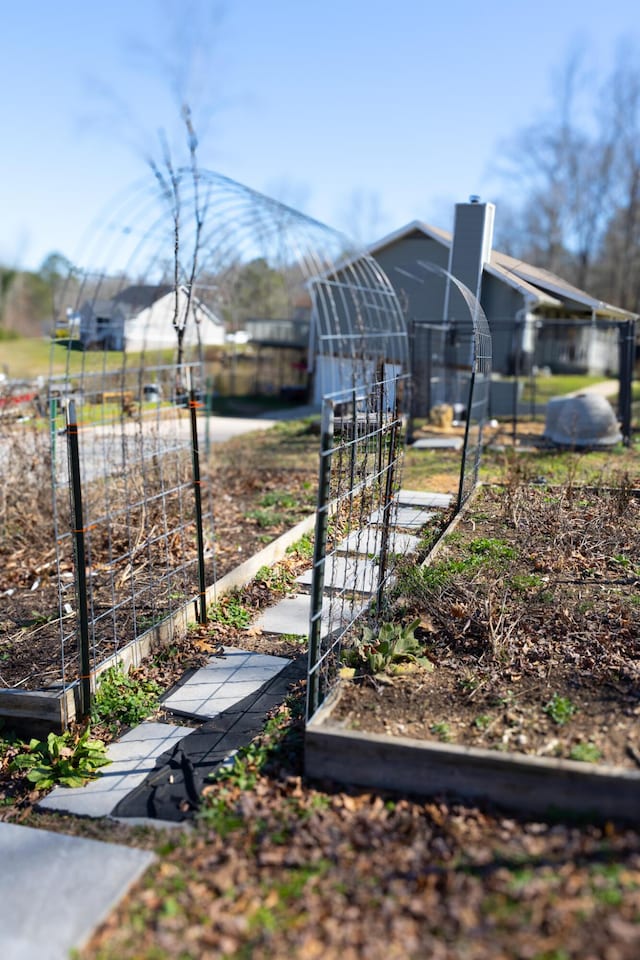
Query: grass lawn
{"x": 557, "y": 386}
{"x": 26, "y": 358}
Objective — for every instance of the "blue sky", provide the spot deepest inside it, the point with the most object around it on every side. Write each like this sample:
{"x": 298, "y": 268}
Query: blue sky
{"x": 313, "y": 101}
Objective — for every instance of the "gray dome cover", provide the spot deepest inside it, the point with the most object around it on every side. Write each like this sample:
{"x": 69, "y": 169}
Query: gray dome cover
{"x": 585, "y": 420}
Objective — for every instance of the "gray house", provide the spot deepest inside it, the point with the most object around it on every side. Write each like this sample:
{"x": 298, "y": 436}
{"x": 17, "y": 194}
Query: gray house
{"x": 536, "y": 318}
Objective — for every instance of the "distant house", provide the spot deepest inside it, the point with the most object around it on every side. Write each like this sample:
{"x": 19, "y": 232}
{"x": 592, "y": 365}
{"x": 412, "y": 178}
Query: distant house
{"x": 536, "y": 318}
{"x": 140, "y": 317}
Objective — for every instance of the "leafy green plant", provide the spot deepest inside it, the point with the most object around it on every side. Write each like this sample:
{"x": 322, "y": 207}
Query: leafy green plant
{"x": 61, "y": 759}
{"x": 490, "y": 548}
{"x": 586, "y": 752}
{"x": 560, "y": 709}
{"x": 266, "y": 518}
{"x": 482, "y": 722}
{"x": 442, "y": 730}
{"x": 526, "y": 581}
{"x": 123, "y": 698}
{"x": 303, "y": 547}
{"x": 277, "y": 578}
{"x": 230, "y": 611}
{"x": 278, "y": 498}
{"x": 388, "y": 648}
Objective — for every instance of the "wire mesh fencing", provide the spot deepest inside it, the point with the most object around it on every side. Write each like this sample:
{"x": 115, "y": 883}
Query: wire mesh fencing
{"x": 125, "y": 512}
{"x": 356, "y": 547}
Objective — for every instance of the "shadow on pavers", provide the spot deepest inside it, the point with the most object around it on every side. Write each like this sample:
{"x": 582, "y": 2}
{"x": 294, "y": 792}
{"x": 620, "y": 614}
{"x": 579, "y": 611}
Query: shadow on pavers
{"x": 171, "y": 792}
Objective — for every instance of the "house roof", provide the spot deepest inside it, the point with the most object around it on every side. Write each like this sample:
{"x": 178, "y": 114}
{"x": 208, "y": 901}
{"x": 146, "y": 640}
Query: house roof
{"x": 139, "y": 296}
{"x": 546, "y": 288}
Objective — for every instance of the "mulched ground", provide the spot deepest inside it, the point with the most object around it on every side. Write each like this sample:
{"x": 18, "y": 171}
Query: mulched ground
{"x": 278, "y": 867}
{"x": 530, "y": 617}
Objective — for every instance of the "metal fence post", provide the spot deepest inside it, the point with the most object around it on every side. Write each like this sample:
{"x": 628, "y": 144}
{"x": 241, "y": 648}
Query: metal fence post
{"x": 387, "y": 505}
{"x": 319, "y": 556}
{"x": 81, "y": 557}
{"x": 627, "y": 346}
{"x": 197, "y": 490}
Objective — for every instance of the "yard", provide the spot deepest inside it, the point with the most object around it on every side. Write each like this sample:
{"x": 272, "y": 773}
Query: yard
{"x": 276, "y": 866}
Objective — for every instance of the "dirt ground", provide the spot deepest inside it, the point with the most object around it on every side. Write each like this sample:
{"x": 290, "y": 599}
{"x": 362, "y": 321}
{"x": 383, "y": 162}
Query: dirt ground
{"x": 279, "y": 867}
{"x": 529, "y": 616}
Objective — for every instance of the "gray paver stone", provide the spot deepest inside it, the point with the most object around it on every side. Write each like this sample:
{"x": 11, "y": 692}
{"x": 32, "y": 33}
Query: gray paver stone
{"x": 411, "y": 517}
{"x": 134, "y": 756}
{"x": 292, "y": 614}
{"x": 351, "y": 573}
{"x": 55, "y": 889}
{"x": 368, "y": 542}
{"x": 438, "y": 443}
{"x": 224, "y": 682}
{"x": 423, "y": 498}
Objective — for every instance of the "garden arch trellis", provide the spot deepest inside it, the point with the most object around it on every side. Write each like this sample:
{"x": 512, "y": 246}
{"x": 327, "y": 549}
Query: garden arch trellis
{"x": 187, "y": 233}
{"x": 365, "y": 356}
{"x": 143, "y": 565}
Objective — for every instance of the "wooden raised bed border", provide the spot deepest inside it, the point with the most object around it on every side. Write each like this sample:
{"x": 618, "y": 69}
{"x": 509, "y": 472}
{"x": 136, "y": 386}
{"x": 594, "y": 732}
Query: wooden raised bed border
{"x": 516, "y": 781}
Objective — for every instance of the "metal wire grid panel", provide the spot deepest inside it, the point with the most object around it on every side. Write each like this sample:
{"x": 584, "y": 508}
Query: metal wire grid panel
{"x": 132, "y": 499}
{"x": 355, "y": 549}
{"x": 451, "y": 363}
{"x": 360, "y": 358}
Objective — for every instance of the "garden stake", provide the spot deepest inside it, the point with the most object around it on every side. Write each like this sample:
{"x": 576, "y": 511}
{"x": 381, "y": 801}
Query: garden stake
{"x": 193, "y": 407}
{"x": 319, "y": 556}
{"x": 81, "y": 561}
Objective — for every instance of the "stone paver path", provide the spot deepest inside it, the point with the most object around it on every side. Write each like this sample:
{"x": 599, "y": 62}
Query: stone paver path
{"x": 58, "y": 889}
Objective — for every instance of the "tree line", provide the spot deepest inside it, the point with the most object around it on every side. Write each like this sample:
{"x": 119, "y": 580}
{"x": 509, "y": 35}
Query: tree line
{"x": 577, "y": 170}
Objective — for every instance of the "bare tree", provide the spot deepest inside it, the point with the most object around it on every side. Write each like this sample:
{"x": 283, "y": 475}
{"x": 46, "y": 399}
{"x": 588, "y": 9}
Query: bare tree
{"x": 619, "y": 266}
{"x": 564, "y": 167}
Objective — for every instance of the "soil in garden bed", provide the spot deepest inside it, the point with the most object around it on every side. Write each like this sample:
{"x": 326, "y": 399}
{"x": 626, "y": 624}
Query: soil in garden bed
{"x": 530, "y": 618}
{"x": 261, "y": 485}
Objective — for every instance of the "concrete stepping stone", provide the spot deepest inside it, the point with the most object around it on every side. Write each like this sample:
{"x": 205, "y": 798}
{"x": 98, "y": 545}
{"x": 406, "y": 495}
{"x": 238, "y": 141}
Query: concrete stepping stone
{"x": 223, "y": 682}
{"x": 368, "y": 542}
{"x": 409, "y": 518}
{"x": 438, "y": 443}
{"x": 291, "y": 615}
{"x": 133, "y": 756}
{"x": 170, "y": 794}
{"x": 351, "y": 573}
{"x": 55, "y": 890}
{"x": 422, "y": 498}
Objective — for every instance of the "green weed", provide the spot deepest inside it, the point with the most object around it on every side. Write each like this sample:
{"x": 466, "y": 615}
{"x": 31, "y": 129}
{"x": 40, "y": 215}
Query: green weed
{"x": 482, "y": 721}
{"x": 61, "y": 759}
{"x": 490, "y": 548}
{"x": 123, "y": 698}
{"x": 303, "y": 547}
{"x": 526, "y": 581}
{"x": 442, "y": 730}
{"x": 585, "y": 752}
{"x": 230, "y": 611}
{"x": 277, "y": 578}
{"x": 560, "y": 709}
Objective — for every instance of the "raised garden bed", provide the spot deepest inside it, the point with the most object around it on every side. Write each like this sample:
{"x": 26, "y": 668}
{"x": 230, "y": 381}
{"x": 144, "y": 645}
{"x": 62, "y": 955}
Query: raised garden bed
{"x": 530, "y": 619}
